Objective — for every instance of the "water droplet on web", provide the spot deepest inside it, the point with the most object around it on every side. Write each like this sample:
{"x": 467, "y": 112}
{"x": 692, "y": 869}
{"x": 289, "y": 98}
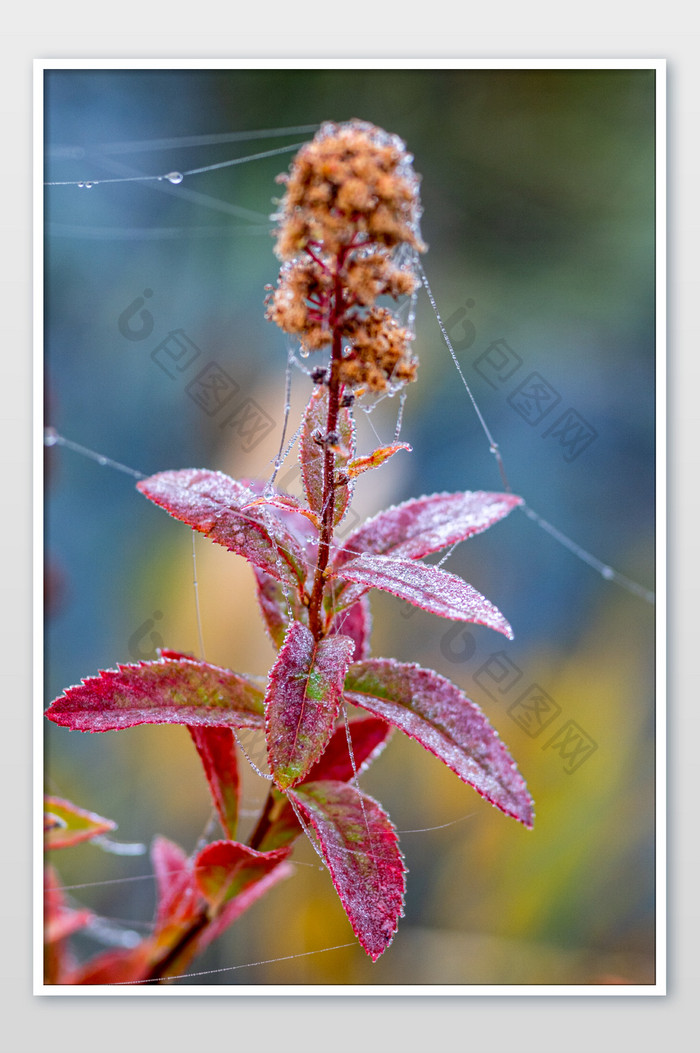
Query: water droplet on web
{"x": 304, "y": 352}
{"x": 174, "y": 177}
{"x": 607, "y": 572}
{"x": 50, "y": 436}
{"x": 88, "y": 186}
{"x": 102, "y": 461}
{"x": 81, "y": 185}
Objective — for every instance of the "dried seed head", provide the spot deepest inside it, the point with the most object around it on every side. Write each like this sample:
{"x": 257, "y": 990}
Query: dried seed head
{"x": 351, "y": 180}
{"x": 350, "y": 208}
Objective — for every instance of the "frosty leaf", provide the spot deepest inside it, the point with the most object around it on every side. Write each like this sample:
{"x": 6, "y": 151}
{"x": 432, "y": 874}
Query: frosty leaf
{"x": 427, "y": 524}
{"x": 312, "y": 452}
{"x": 65, "y": 824}
{"x": 182, "y": 691}
{"x": 286, "y": 503}
{"x": 214, "y": 504}
{"x": 217, "y": 752}
{"x": 244, "y": 899}
{"x": 303, "y": 698}
{"x": 225, "y": 869}
{"x": 355, "y": 622}
{"x": 275, "y": 606}
{"x": 368, "y": 736}
{"x": 374, "y": 459}
{"x": 436, "y": 713}
{"x": 360, "y": 846}
{"x": 424, "y": 586}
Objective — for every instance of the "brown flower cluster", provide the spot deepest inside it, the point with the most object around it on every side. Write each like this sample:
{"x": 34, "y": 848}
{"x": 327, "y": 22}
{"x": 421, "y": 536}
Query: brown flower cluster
{"x": 351, "y": 206}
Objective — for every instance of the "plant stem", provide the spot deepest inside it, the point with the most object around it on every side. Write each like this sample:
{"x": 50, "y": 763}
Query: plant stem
{"x": 316, "y": 621}
{"x": 157, "y": 972}
{"x": 264, "y": 822}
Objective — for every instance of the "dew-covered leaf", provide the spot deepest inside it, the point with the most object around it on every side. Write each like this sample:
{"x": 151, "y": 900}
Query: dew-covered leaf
{"x": 312, "y": 450}
{"x": 435, "y": 712}
{"x": 180, "y": 691}
{"x": 65, "y": 824}
{"x": 368, "y": 736}
{"x": 427, "y": 524}
{"x": 276, "y": 606}
{"x": 355, "y": 622}
{"x": 217, "y": 751}
{"x": 225, "y": 869}
{"x": 358, "y": 465}
{"x": 360, "y": 847}
{"x": 424, "y": 586}
{"x": 245, "y": 898}
{"x": 215, "y": 505}
{"x": 303, "y": 698}
{"x": 286, "y": 503}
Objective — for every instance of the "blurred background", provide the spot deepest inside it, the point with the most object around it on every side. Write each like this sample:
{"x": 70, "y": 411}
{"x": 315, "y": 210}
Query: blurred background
{"x": 538, "y": 194}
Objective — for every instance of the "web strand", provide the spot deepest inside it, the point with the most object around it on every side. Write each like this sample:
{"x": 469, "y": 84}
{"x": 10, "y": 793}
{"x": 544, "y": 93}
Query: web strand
{"x": 605, "y": 571}
{"x": 231, "y": 968}
{"x": 175, "y": 177}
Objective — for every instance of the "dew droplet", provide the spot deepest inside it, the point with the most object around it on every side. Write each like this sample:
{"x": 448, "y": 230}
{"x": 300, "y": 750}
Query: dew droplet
{"x": 607, "y": 572}
{"x": 304, "y": 352}
{"x": 102, "y": 461}
{"x": 88, "y": 186}
{"x": 174, "y": 177}
{"x": 81, "y": 185}
{"x": 50, "y": 436}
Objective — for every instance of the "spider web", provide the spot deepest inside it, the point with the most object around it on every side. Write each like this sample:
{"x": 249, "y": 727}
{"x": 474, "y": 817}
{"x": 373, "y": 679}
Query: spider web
{"x": 83, "y": 222}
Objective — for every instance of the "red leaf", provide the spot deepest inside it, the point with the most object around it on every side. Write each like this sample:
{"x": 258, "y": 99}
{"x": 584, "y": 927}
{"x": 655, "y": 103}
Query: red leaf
{"x": 368, "y": 735}
{"x": 427, "y": 524}
{"x": 217, "y": 751}
{"x": 374, "y": 459}
{"x": 360, "y": 846}
{"x": 243, "y": 901}
{"x": 60, "y": 920}
{"x": 65, "y": 824}
{"x": 225, "y": 869}
{"x": 312, "y": 452}
{"x": 302, "y": 702}
{"x": 120, "y": 966}
{"x": 176, "y": 904}
{"x": 424, "y": 586}
{"x": 215, "y": 505}
{"x": 286, "y": 503}
{"x": 275, "y": 606}
{"x": 355, "y": 622}
{"x": 183, "y": 691}
{"x": 436, "y": 713}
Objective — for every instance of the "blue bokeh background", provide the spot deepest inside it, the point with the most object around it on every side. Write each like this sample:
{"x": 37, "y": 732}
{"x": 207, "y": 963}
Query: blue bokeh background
{"x": 538, "y": 193}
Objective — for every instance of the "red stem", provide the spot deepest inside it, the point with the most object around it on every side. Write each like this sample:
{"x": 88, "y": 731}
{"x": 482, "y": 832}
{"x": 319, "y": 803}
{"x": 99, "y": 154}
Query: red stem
{"x": 316, "y": 620}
